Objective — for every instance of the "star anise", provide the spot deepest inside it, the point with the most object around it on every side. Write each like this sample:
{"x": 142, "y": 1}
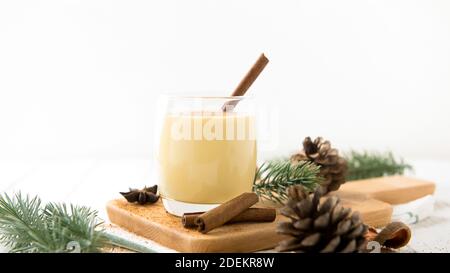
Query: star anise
{"x": 144, "y": 196}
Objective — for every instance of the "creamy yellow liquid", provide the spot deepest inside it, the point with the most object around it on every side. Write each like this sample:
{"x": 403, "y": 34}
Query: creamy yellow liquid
{"x": 206, "y": 158}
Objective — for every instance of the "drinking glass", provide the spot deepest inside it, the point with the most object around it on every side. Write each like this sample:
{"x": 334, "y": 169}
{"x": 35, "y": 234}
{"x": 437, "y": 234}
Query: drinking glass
{"x": 206, "y": 151}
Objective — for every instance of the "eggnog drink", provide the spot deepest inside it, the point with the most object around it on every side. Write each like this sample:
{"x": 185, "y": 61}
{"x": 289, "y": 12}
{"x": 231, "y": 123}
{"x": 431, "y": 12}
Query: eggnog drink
{"x": 206, "y": 158}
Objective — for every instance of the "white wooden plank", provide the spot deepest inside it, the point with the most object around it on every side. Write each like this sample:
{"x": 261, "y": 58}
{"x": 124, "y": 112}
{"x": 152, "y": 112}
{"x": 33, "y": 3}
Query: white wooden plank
{"x": 110, "y": 177}
{"x": 54, "y": 180}
{"x": 433, "y": 233}
{"x": 92, "y": 182}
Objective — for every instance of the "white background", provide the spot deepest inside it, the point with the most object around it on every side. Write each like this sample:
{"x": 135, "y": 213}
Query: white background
{"x": 78, "y": 79}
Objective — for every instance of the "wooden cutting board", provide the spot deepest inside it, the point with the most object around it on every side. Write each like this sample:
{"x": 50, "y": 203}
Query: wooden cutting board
{"x": 153, "y": 222}
{"x": 390, "y": 189}
{"x": 371, "y": 197}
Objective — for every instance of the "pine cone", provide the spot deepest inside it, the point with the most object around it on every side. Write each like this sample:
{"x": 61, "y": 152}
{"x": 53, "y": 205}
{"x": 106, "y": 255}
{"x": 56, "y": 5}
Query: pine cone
{"x": 315, "y": 227}
{"x": 333, "y": 168}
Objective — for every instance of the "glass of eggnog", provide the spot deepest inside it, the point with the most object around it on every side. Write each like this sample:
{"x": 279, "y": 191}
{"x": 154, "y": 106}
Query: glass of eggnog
{"x": 206, "y": 151}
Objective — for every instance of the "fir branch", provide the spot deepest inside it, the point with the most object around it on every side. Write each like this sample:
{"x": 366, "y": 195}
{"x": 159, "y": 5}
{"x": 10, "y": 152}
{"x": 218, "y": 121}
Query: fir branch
{"x": 79, "y": 224}
{"x": 27, "y": 225}
{"x": 274, "y": 177}
{"x": 362, "y": 165}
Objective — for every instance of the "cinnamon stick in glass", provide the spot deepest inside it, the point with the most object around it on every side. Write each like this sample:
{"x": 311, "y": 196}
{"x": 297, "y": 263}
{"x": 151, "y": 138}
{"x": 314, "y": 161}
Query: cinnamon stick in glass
{"x": 248, "y": 215}
{"x": 246, "y": 82}
{"x": 225, "y": 212}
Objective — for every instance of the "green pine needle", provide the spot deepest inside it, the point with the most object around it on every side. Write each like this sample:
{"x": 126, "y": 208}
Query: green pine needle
{"x": 274, "y": 177}
{"x": 363, "y": 165}
{"x": 27, "y": 225}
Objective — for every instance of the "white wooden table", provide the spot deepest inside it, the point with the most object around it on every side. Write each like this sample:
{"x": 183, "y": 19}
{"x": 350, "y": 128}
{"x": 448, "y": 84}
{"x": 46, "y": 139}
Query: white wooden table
{"x": 93, "y": 182}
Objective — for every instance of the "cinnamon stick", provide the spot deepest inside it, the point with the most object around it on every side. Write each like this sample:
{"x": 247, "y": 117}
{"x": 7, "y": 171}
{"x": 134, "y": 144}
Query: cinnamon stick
{"x": 247, "y": 81}
{"x": 225, "y": 212}
{"x": 248, "y": 215}
{"x": 394, "y": 235}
